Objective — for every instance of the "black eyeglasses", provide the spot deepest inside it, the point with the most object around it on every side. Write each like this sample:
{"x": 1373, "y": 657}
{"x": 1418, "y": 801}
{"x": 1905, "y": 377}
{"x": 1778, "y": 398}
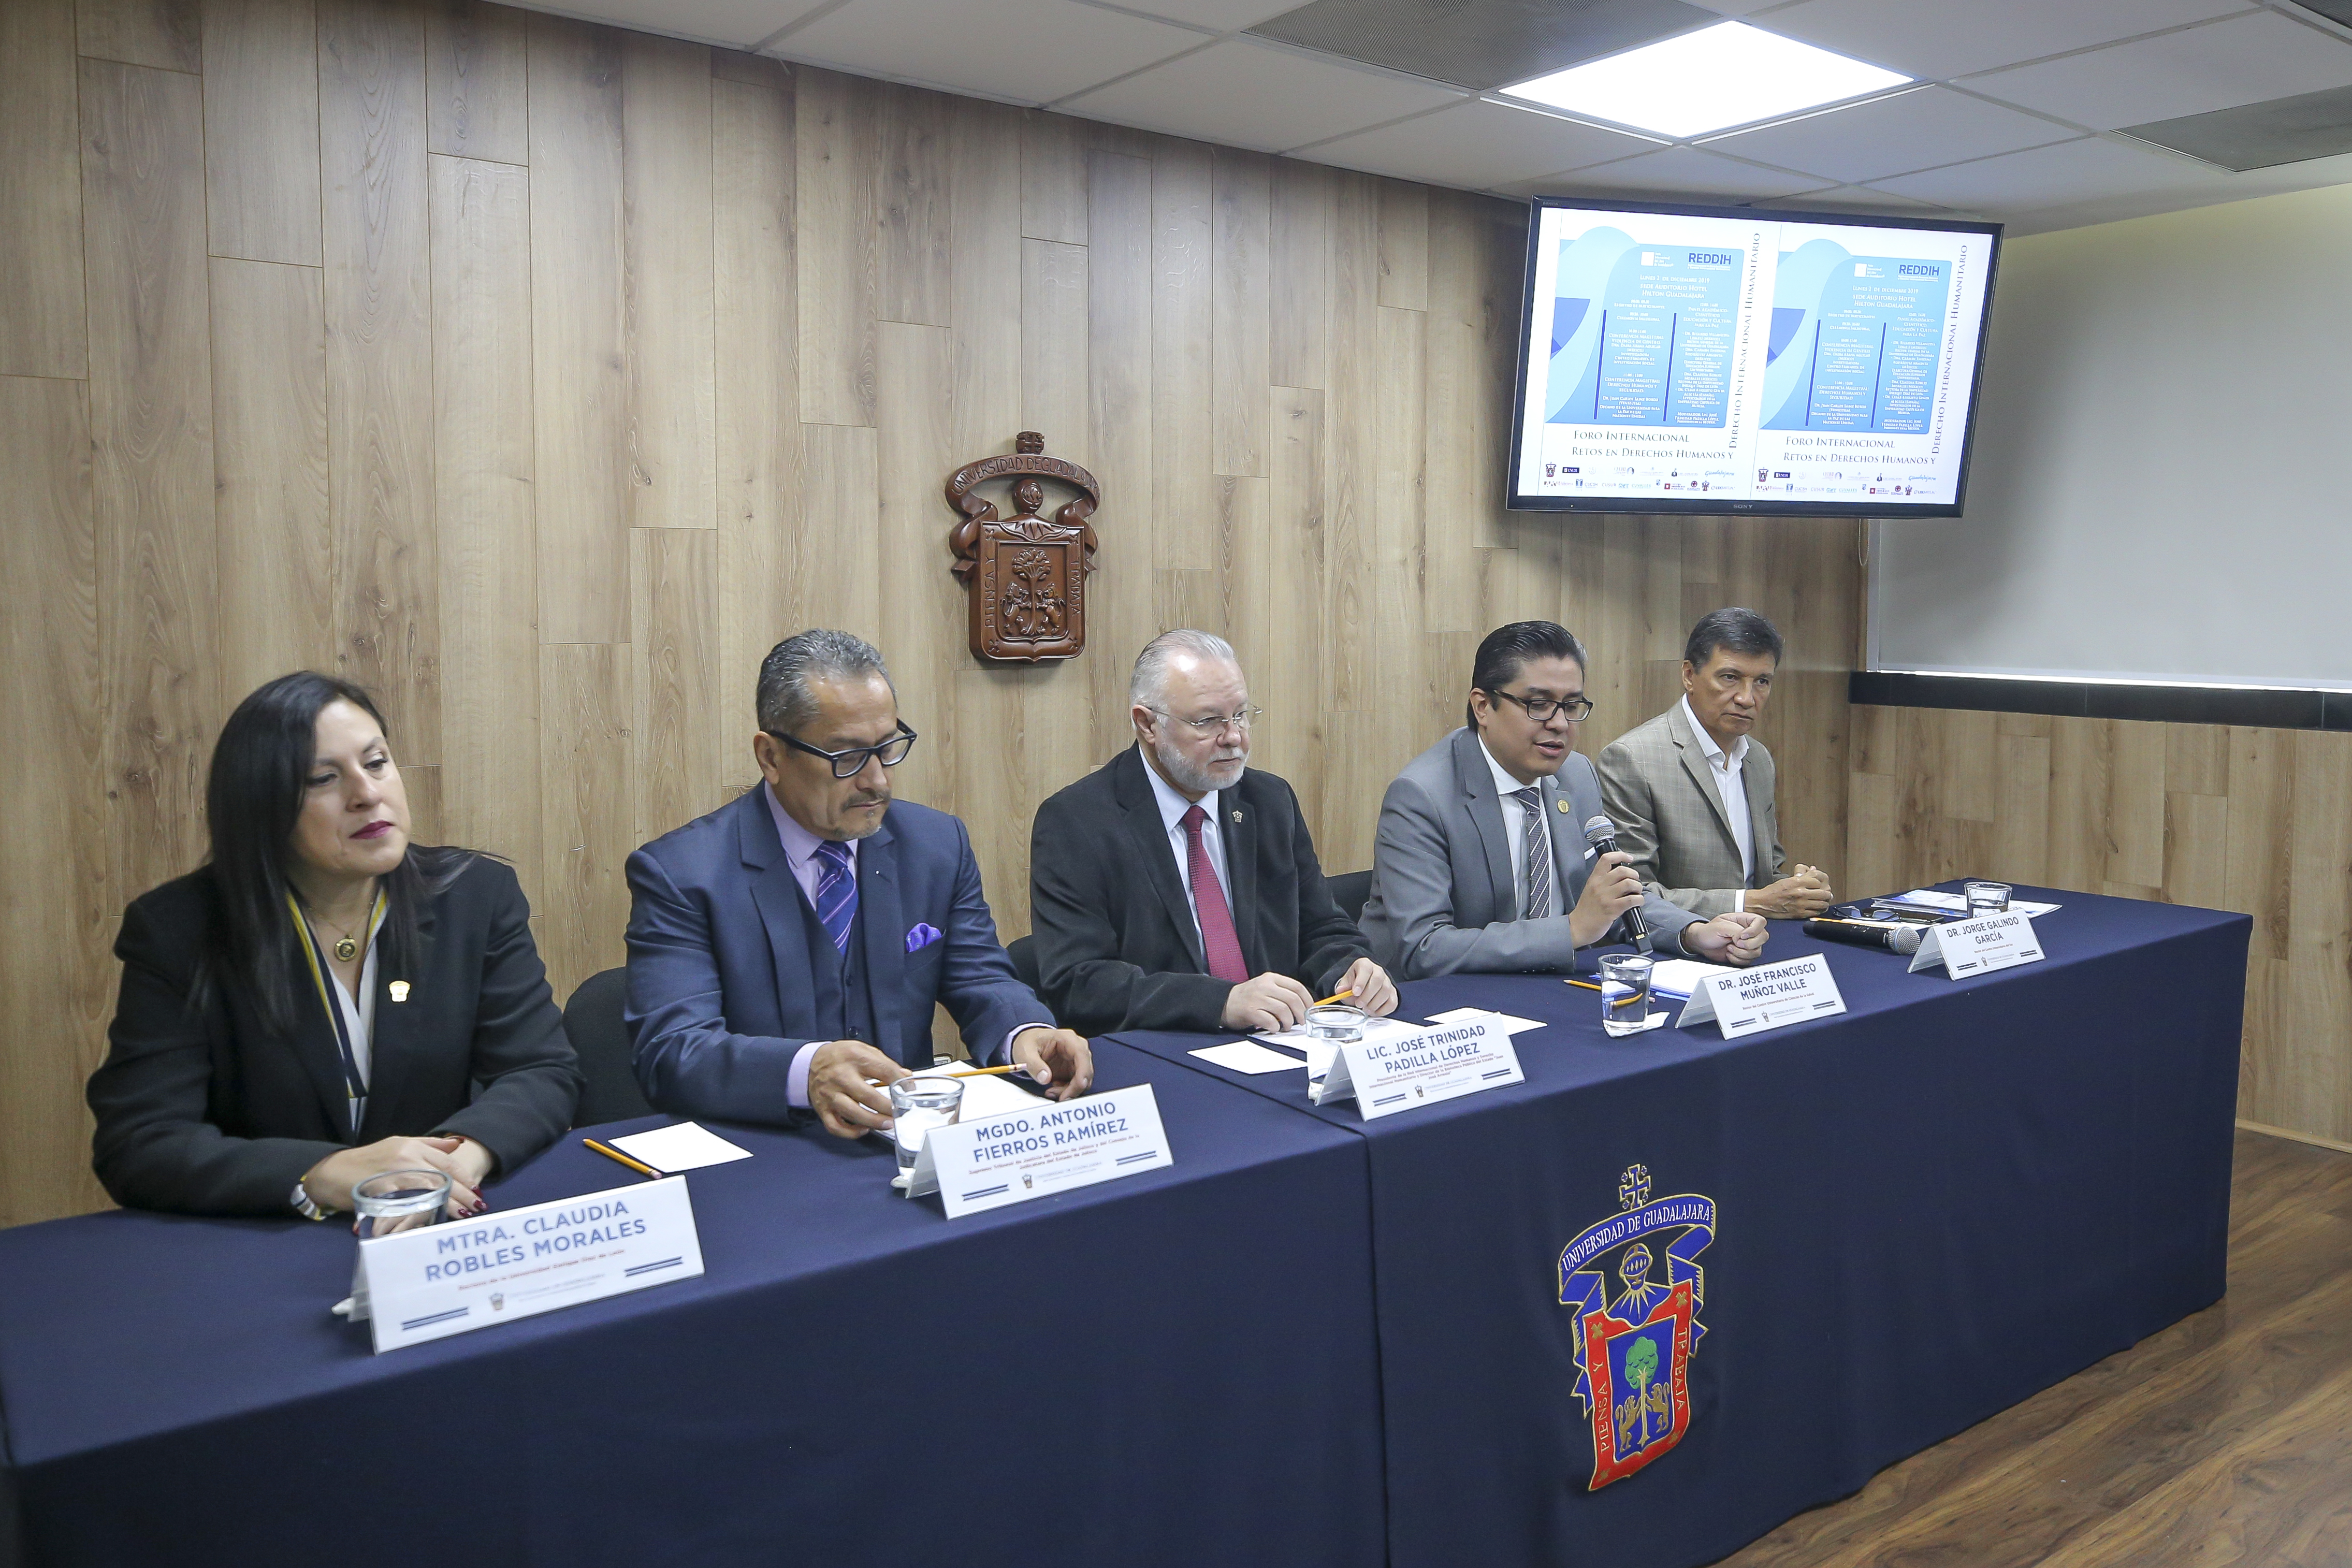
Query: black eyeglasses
{"x": 849, "y": 764}
{"x": 1576, "y": 709}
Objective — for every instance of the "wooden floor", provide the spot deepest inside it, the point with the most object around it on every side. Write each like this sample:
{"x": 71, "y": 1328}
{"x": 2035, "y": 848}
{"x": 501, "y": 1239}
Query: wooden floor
{"x": 2227, "y": 1438}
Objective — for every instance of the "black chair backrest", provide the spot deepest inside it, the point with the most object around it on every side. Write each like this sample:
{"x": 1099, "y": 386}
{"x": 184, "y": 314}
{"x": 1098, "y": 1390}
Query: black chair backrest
{"x": 1022, "y": 951}
{"x": 608, "y": 1089}
{"x": 1349, "y": 890}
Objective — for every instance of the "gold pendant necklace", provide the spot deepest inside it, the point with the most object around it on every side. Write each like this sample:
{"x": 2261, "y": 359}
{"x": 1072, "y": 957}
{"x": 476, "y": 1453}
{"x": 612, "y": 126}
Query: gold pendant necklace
{"x": 346, "y": 948}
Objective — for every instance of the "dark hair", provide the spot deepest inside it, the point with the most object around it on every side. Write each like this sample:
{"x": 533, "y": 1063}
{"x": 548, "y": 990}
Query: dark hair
{"x": 1741, "y": 631}
{"x": 1506, "y": 650}
{"x": 785, "y": 703}
{"x": 253, "y": 798}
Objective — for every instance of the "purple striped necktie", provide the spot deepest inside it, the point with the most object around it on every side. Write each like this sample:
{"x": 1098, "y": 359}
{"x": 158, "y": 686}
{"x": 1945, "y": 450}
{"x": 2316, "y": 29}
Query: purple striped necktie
{"x": 837, "y": 892}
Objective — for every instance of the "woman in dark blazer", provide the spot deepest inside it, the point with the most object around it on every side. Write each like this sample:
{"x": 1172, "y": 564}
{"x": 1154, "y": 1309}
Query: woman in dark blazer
{"x": 323, "y": 1001}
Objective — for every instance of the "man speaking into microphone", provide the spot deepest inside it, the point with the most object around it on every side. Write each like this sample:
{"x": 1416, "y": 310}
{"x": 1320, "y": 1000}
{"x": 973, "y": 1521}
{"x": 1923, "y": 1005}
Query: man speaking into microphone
{"x": 1484, "y": 864}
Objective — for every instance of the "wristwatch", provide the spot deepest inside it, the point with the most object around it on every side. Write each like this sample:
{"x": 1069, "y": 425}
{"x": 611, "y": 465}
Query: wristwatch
{"x": 304, "y": 1206}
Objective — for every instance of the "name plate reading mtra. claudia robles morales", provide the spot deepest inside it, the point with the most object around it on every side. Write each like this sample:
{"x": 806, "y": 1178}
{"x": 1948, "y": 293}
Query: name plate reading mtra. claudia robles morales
{"x": 442, "y": 1279}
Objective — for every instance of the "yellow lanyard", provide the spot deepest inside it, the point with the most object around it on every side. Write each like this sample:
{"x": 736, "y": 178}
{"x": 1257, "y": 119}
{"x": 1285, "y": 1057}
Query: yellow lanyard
{"x": 354, "y": 1081}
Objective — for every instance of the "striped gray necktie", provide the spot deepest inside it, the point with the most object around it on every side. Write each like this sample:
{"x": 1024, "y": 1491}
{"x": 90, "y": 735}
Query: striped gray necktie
{"x": 1538, "y": 854}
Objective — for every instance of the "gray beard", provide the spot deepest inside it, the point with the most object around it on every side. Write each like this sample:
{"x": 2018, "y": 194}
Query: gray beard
{"x": 1181, "y": 769}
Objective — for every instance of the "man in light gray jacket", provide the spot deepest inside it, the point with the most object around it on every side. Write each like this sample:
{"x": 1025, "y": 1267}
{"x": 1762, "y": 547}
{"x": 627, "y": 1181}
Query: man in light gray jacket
{"x": 1481, "y": 863}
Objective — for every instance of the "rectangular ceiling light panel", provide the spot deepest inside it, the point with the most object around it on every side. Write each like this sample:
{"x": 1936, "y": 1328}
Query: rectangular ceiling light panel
{"x": 1729, "y": 74}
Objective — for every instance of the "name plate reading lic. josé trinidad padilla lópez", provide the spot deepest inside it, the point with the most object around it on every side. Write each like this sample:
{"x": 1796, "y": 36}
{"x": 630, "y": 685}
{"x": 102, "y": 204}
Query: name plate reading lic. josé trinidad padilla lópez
{"x": 1978, "y": 946}
{"x": 1746, "y": 1001}
{"x": 1012, "y": 1156}
{"x": 443, "y": 1279}
{"x": 1443, "y": 1062}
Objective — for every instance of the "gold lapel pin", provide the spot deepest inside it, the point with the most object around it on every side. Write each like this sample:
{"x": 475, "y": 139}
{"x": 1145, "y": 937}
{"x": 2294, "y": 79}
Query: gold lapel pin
{"x": 1563, "y": 808}
{"x": 399, "y": 989}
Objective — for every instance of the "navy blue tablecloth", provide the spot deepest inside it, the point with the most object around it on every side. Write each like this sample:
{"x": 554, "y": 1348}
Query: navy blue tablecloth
{"x": 1955, "y": 1195}
{"x": 1175, "y": 1368}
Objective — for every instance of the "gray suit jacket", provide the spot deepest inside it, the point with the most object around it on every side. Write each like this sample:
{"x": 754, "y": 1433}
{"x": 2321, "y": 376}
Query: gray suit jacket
{"x": 1445, "y": 894}
{"x": 1656, "y": 783}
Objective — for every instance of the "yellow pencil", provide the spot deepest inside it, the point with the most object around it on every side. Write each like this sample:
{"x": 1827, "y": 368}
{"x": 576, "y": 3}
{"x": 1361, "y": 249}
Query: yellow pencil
{"x": 1586, "y": 983}
{"x": 1336, "y": 996}
{"x": 611, "y": 1153}
{"x": 976, "y": 1073}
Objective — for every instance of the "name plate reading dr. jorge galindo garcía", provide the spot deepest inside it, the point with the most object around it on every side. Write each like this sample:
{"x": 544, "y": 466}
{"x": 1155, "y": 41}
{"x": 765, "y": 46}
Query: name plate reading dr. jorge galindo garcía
{"x": 418, "y": 1285}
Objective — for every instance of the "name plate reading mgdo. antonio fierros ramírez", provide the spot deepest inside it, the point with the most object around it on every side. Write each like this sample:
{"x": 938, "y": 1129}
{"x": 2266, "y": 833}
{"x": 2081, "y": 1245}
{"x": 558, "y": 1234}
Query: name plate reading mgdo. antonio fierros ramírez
{"x": 1025, "y": 576}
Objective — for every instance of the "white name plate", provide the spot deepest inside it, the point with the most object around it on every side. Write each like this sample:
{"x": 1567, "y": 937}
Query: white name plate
{"x": 443, "y": 1279}
{"x": 1978, "y": 946}
{"x": 1052, "y": 1147}
{"x": 1746, "y": 1001}
{"x": 1403, "y": 1070}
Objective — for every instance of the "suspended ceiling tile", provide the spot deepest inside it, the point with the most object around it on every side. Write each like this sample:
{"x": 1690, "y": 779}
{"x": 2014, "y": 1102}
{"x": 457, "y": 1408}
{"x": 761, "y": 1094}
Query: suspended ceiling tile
{"x": 738, "y": 24}
{"x": 2244, "y": 60}
{"x": 2280, "y": 130}
{"x": 1247, "y": 94}
{"x": 1224, "y": 16}
{"x": 1682, "y": 173}
{"x": 1859, "y": 199}
{"x": 1476, "y": 145}
{"x": 1030, "y": 51}
{"x": 1917, "y": 130}
{"x": 1947, "y": 38}
{"x": 2052, "y": 177}
{"x": 1481, "y": 44}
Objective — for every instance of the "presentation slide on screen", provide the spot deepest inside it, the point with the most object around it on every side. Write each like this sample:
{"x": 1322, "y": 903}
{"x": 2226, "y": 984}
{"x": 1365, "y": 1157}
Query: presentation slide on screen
{"x": 1714, "y": 358}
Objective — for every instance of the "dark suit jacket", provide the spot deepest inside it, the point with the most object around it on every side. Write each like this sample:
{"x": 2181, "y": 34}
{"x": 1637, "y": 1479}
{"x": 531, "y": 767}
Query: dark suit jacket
{"x": 721, "y": 995}
{"x": 1118, "y": 947}
{"x": 203, "y": 1111}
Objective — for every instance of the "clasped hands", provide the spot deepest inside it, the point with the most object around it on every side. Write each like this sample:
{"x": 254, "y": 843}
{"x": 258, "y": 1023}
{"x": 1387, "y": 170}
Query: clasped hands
{"x": 1273, "y": 1003}
{"x": 465, "y": 1163}
{"x": 848, "y": 1081}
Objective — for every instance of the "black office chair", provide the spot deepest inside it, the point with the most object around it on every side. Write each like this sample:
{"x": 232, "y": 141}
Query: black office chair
{"x": 608, "y": 1089}
{"x": 1349, "y": 890}
{"x": 1022, "y": 951}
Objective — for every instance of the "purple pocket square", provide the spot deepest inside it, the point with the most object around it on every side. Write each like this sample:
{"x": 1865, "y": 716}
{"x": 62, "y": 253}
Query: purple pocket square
{"x": 923, "y": 934}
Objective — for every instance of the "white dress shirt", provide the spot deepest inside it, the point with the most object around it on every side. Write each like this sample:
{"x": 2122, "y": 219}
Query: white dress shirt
{"x": 359, "y": 1021}
{"x": 1172, "y": 807}
{"x": 1731, "y": 788}
{"x": 1515, "y": 823}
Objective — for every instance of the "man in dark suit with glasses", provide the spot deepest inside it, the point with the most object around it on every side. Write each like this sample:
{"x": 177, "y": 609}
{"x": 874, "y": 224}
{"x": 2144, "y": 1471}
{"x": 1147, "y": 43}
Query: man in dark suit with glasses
{"x": 1176, "y": 887}
{"x": 786, "y": 951}
{"x": 1481, "y": 863}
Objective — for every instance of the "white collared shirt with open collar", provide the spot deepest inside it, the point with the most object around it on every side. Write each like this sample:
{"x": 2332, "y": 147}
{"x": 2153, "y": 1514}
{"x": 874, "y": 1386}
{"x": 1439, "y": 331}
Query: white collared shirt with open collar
{"x": 1731, "y": 788}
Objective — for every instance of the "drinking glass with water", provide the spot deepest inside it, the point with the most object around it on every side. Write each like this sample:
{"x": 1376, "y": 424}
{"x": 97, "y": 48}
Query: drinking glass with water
{"x": 392, "y": 1201}
{"x": 918, "y": 1105}
{"x": 1987, "y": 898}
{"x": 1625, "y": 992}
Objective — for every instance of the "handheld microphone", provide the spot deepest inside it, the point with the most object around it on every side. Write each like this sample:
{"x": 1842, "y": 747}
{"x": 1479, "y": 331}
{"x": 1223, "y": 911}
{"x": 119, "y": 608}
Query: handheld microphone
{"x": 1888, "y": 936}
{"x": 1602, "y": 834}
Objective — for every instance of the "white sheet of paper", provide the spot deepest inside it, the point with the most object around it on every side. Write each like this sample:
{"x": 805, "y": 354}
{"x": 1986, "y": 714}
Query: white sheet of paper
{"x": 1958, "y": 903}
{"x": 1248, "y": 1056}
{"x": 689, "y": 1146}
{"x": 988, "y": 1096}
{"x": 1682, "y": 975}
{"x": 1511, "y": 1026}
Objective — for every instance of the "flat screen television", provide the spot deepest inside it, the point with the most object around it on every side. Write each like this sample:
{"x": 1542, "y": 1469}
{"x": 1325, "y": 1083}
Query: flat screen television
{"x": 1688, "y": 359}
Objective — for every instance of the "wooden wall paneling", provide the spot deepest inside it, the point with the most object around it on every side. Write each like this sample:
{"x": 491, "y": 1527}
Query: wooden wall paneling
{"x": 1871, "y": 865}
{"x": 763, "y": 589}
{"x": 151, "y": 432}
{"x": 1399, "y": 568}
{"x": 1240, "y": 286}
{"x": 166, "y": 34}
{"x": 58, "y": 895}
{"x": 1183, "y": 355}
{"x": 665, "y": 272}
{"x": 1304, "y": 199}
{"x": 2021, "y": 846}
{"x": 2195, "y": 851}
{"x": 2315, "y": 1024}
{"x": 2078, "y": 796}
{"x": 44, "y": 330}
{"x": 921, "y": 601}
{"x": 835, "y": 142}
{"x": 1274, "y": 594}
{"x": 1461, "y": 452}
{"x": 485, "y": 530}
{"x": 477, "y": 91}
{"x": 751, "y": 69}
{"x": 1966, "y": 767}
{"x": 674, "y": 574}
{"x": 1119, "y": 407}
{"x": 1056, "y": 152}
{"x": 589, "y": 812}
{"x": 839, "y": 551}
{"x": 1054, "y": 384}
{"x": 379, "y": 292}
{"x": 1404, "y": 244}
{"x": 579, "y": 339}
{"x": 913, "y": 202}
{"x": 261, "y": 129}
{"x": 2135, "y": 805}
{"x": 2263, "y": 809}
{"x": 271, "y": 512}
{"x": 1351, "y": 339}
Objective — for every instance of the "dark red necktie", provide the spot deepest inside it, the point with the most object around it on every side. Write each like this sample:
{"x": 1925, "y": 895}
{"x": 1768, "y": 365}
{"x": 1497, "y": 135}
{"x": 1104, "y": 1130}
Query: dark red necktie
{"x": 1218, "y": 939}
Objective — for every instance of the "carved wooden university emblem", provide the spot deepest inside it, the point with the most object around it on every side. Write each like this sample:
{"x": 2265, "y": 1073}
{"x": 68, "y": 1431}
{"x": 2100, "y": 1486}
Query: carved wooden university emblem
{"x": 1025, "y": 576}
